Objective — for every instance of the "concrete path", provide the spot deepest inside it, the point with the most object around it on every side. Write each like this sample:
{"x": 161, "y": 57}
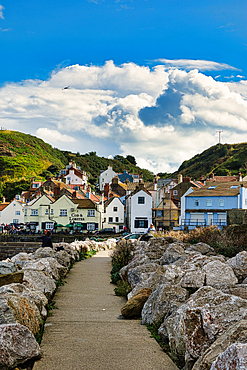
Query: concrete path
{"x": 87, "y": 332}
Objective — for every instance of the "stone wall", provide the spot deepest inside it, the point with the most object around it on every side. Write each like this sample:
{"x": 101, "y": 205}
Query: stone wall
{"x": 9, "y": 249}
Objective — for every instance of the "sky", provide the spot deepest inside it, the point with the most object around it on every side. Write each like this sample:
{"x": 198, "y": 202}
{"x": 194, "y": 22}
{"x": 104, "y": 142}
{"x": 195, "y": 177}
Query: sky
{"x": 156, "y": 79}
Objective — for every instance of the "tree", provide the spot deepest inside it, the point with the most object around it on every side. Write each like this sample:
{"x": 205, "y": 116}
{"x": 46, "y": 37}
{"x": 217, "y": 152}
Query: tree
{"x": 131, "y": 159}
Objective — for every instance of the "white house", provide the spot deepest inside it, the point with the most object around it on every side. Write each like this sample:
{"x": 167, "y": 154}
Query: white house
{"x": 114, "y": 214}
{"x": 38, "y": 213}
{"x": 105, "y": 177}
{"x": 139, "y": 210}
{"x": 13, "y": 213}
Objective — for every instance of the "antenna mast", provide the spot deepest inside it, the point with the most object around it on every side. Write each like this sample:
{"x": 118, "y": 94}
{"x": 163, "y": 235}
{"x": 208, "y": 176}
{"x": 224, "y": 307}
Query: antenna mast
{"x": 219, "y": 131}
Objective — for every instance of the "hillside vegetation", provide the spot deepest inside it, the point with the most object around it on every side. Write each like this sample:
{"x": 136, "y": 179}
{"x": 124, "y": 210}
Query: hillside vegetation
{"x": 23, "y": 157}
{"x": 222, "y": 160}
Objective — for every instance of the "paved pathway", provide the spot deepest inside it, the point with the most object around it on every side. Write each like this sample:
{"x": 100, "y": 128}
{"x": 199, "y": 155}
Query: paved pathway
{"x": 86, "y": 331}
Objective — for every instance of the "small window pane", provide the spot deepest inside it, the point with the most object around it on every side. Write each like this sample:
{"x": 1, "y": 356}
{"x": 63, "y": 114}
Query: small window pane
{"x": 141, "y": 200}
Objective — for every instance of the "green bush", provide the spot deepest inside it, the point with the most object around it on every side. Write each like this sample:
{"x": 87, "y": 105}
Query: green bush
{"x": 123, "y": 288}
{"x": 121, "y": 256}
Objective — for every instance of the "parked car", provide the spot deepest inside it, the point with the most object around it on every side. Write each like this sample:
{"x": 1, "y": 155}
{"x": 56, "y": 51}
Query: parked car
{"x": 130, "y": 236}
{"x": 105, "y": 231}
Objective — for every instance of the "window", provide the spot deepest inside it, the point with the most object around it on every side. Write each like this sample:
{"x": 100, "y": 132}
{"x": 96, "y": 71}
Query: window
{"x": 208, "y": 202}
{"x": 159, "y": 213}
{"x": 211, "y": 187}
{"x": 49, "y": 226}
{"x": 46, "y": 211}
{"x": 68, "y": 178}
{"x": 196, "y": 203}
{"x": 34, "y": 212}
{"x": 14, "y": 204}
{"x": 91, "y": 213}
{"x": 221, "y": 202}
{"x": 141, "y": 224}
{"x": 141, "y": 200}
{"x": 175, "y": 192}
{"x": 116, "y": 219}
{"x": 110, "y": 219}
{"x": 51, "y": 211}
{"x": 17, "y": 213}
{"x": 15, "y": 221}
{"x": 246, "y": 202}
{"x": 63, "y": 212}
{"x": 234, "y": 187}
{"x": 114, "y": 209}
{"x": 25, "y": 212}
{"x": 90, "y": 226}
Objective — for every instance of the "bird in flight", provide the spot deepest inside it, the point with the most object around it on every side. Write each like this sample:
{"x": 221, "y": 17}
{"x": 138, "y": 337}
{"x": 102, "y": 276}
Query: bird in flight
{"x": 66, "y": 87}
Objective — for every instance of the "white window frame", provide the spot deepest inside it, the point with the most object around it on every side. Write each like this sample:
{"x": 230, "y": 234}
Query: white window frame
{"x": 221, "y": 202}
{"x": 34, "y": 212}
{"x": 63, "y": 213}
{"x": 175, "y": 192}
{"x": 117, "y": 219}
{"x": 91, "y": 213}
{"x": 15, "y": 221}
{"x": 196, "y": 203}
{"x": 209, "y": 202}
{"x": 114, "y": 209}
{"x": 49, "y": 225}
{"x": 110, "y": 220}
{"x": 141, "y": 198}
{"x": 17, "y": 213}
{"x": 90, "y": 226}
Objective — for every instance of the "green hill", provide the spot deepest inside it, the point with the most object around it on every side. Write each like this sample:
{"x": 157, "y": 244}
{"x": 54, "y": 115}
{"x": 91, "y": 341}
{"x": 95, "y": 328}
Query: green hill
{"x": 23, "y": 157}
{"x": 222, "y": 160}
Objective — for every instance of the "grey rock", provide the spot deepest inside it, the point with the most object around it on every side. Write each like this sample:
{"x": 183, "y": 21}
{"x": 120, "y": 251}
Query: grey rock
{"x": 162, "y": 303}
{"x": 49, "y": 265}
{"x": 203, "y": 248}
{"x": 239, "y": 265}
{"x": 7, "y": 268}
{"x": 173, "y": 252}
{"x": 219, "y": 274}
{"x": 235, "y": 333}
{"x": 134, "y": 274}
{"x": 240, "y": 290}
{"x": 36, "y": 279}
{"x": 233, "y": 358}
{"x": 17, "y": 345}
{"x": 21, "y": 258}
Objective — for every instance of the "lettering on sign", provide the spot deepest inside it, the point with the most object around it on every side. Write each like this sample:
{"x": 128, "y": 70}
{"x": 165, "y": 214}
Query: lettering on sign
{"x": 76, "y": 217}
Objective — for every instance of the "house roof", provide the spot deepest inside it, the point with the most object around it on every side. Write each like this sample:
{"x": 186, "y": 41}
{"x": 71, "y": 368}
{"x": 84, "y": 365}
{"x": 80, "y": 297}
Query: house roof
{"x": 140, "y": 187}
{"x": 218, "y": 189}
{"x": 131, "y": 186}
{"x": 84, "y": 203}
{"x": 3, "y": 205}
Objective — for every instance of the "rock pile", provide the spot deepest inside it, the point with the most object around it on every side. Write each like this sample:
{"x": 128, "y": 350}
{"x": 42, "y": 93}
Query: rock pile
{"x": 198, "y": 300}
{"x": 27, "y": 284}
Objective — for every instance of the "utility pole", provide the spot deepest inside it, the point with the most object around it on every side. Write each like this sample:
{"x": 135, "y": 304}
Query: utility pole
{"x": 219, "y": 132}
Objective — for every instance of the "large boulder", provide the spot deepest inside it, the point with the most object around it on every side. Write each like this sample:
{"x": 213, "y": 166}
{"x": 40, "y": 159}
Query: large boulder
{"x": 169, "y": 274}
{"x": 43, "y": 252}
{"x": 236, "y": 333}
{"x": 17, "y": 308}
{"x": 63, "y": 258}
{"x": 173, "y": 252}
{"x": 197, "y": 261}
{"x": 49, "y": 265}
{"x": 202, "y": 248}
{"x": 134, "y": 275}
{"x": 162, "y": 303}
{"x": 240, "y": 290}
{"x": 154, "y": 248}
{"x": 193, "y": 279}
{"x": 21, "y": 258}
{"x": 36, "y": 279}
{"x": 233, "y": 358}
{"x": 239, "y": 265}
{"x": 35, "y": 296}
{"x": 133, "y": 306}
{"x": 200, "y": 321}
{"x": 17, "y": 346}
{"x": 7, "y": 268}
{"x": 16, "y": 277}
{"x": 219, "y": 274}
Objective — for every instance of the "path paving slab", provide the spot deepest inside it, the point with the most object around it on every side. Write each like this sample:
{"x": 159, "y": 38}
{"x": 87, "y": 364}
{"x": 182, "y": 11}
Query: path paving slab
{"x": 87, "y": 330}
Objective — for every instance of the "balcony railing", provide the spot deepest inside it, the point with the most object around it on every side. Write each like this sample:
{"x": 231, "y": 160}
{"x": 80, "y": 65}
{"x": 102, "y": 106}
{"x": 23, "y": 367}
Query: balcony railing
{"x": 200, "y": 223}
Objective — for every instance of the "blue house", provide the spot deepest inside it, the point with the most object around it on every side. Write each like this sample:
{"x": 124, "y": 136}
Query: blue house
{"x": 124, "y": 176}
{"x": 209, "y": 205}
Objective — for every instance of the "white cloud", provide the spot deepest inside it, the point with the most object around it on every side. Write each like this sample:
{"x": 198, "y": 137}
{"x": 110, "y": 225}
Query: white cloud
{"x": 1, "y": 11}
{"x": 161, "y": 116}
{"x": 202, "y": 65}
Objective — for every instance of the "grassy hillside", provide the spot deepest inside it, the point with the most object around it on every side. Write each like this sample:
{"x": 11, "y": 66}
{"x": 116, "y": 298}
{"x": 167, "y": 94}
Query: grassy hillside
{"x": 222, "y": 160}
{"x": 25, "y": 156}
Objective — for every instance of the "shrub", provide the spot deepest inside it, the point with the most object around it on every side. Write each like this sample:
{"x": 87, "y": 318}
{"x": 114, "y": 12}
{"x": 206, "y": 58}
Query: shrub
{"x": 123, "y": 288}
{"x": 121, "y": 256}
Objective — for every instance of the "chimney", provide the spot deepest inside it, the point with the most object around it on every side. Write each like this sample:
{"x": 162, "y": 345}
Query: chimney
{"x": 240, "y": 176}
{"x": 4, "y": 199}
{"x": 106, "y": 190}
{"x": 74, "y": 194}
{"x": 155, "y": 183}
{"x": 180, "y": 178}
{"x": 56, "y": 191}
{"x": 141, "y": 186}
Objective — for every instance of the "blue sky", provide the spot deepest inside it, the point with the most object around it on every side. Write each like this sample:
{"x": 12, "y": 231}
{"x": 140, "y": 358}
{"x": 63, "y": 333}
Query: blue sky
{"x": 47, "y": 45}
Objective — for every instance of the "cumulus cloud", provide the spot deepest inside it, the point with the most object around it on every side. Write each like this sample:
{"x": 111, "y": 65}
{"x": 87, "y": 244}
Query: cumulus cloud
{"x": 161, "y": 116}
{"x": 202, "y": 65}
{"x": 1, "y": 12}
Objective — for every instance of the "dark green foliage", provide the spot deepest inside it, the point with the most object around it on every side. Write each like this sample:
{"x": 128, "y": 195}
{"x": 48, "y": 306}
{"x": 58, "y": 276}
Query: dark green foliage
{"x": 123, "y": 288}
{"x": 131, "y": 159}
{"x": 23, "y": 157}
{"x": 222, "y": 160}
{"x": 121, "y": 256}
{"x": 84, "y": 254}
